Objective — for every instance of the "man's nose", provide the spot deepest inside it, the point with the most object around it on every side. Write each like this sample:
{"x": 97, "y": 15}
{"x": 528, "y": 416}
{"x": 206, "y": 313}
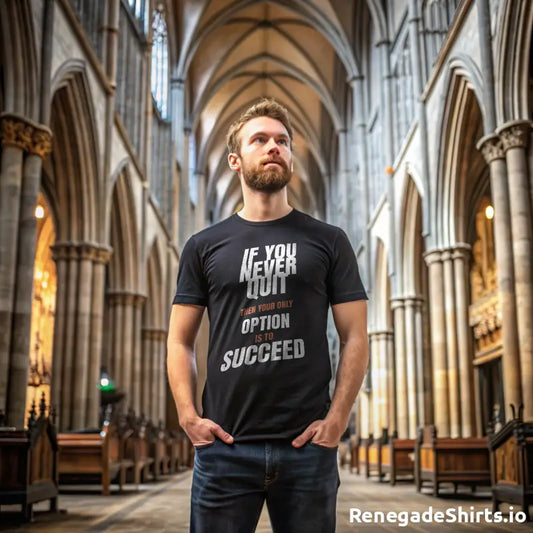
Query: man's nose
{"x": 272, "y": 146}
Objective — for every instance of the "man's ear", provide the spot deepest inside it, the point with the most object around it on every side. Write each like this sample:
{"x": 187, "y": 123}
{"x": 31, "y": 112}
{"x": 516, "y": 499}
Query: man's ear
{"x": 234, "y": 162}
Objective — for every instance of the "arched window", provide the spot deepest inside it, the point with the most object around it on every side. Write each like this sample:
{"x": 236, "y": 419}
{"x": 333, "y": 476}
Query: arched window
{"x": 140, "y": 9}
{"x": 160, "y": 61}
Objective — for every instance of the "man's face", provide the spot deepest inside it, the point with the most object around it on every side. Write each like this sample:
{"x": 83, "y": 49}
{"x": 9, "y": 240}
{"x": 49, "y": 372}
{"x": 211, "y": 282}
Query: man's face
{"x": 265, "y": 161}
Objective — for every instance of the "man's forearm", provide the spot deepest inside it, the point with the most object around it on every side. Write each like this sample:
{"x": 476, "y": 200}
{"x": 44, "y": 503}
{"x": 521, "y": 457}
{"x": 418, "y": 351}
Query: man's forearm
{"x": 182, "y": 379}
{"x": 350, "y": 374}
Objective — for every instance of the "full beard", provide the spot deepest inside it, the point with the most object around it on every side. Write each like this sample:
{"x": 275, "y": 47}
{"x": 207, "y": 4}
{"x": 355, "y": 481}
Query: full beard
{"x": 268, "y": 180}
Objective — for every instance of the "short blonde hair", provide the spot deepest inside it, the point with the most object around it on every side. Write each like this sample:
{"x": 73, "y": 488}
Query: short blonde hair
{"x": 266, "y": 107}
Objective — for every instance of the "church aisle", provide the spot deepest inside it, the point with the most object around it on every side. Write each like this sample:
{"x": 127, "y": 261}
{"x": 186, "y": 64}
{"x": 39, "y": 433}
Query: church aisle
{"x": 164, "y": 507}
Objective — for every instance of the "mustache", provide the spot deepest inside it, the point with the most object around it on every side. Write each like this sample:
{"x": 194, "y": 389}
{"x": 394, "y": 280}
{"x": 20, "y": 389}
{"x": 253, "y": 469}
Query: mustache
{"x": 279, "y": 161}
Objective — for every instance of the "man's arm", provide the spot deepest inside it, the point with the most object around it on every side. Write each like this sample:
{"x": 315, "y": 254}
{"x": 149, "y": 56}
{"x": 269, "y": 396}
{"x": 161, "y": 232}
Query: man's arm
{"x": 181, "y": 365}
{"x": 350, "y": 321}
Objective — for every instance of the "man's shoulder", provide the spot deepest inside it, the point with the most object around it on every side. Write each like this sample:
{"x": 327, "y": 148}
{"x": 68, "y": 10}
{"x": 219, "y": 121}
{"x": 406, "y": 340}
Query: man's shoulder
{"x": 215, "y": 230}
{"x": 314, "y": 224}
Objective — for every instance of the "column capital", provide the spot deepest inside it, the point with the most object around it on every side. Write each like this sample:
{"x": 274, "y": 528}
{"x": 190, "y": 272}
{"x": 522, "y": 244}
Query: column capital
{"x": 61, "y": 251}
{"x": 414, "y": 301}
{"x": 461, "y": 250}
{"x": 352, "y": 80}
{"x": 433, "y": 256}
{"x": 515, "y": 134}
{"x": 397, "y": 302}
{"x": 139, "y": 300}
{"x": 87, "y": 251}
{"x": 16, "y": 132}
{"x": 41, "y": 141}
{"x": 491, "y": 147}
{"x": 103, "y": 254}
{"x": 154, "y": 334}
{"x": 446, "y": 255}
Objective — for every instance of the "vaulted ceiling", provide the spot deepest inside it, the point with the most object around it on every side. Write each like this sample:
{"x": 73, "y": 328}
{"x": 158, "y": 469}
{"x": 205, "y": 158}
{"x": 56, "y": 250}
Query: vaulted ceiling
{"x": 301, "y": 52}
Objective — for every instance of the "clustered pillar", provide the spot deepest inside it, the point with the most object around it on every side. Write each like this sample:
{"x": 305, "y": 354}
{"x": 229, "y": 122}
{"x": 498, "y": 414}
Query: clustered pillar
{"x": 24, "y": 146}
{"x": 513, "y": 260}
{"x": 154, "y": 373}
{"x": 78, "y": 332}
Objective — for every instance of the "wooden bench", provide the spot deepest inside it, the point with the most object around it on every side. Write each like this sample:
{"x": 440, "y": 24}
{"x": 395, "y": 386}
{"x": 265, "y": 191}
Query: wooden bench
{"x": 374, "y": 467}
{"x": 461, "y": 461}
{"x": 137, "y": 448}
{"x": 158, "y": 450}
{"x": 355, "y": 442}
{"x": 173, "y": 443}
{"x": 397, "y": 459}
{"x": 363, "y": 461}
{"x": 511, "y": 462}
{"x": 82, "y": 455}
{"x": 28, "y": 464}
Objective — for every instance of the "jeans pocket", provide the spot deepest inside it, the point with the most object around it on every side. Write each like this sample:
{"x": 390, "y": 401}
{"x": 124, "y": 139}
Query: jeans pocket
{"x": 204, "y": 446}
{"x": 320, "y": 447}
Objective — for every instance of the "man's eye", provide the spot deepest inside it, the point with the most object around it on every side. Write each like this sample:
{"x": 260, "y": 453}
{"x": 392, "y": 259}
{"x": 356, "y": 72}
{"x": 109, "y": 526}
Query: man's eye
{"x": 283, "y": 141}
{"x": 259, "y": 140}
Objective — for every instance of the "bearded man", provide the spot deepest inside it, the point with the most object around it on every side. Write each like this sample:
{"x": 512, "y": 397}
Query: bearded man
{"x": 268, "y": 431}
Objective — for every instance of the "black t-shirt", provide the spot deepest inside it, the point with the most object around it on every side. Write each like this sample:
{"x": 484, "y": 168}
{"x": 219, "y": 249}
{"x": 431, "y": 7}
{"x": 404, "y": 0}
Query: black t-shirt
{"x": 267, "y": 287}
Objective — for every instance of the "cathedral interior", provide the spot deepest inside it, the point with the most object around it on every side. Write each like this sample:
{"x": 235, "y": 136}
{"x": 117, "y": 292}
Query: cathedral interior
{"x": 413, "y": 127}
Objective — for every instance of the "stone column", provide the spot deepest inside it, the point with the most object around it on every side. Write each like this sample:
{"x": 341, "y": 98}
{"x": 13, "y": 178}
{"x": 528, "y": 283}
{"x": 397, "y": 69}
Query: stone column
{"x": 83, "y": 299}
{"x": 16, "y": 138}
{"x": 451, "y": 344}
{"x": 137, "y": 376}
{"x": 117, "y": 306}
{"x": 69, "y": 360}
{"x": 398, "y": 309}
{"x": 146, "y": 405}
{"x": 460, "y": 256}
{"x": 23, "y": 298}
{"x": 127, "y": 346}
{"x": 492, "y": 150}
{"x": 441, "y": 405}
{"x": 60, "y": 256}
{"x": 515, "y": 137}
{"x": 342, "y": 175}
{"x": 154, "y": 357}
{"x": 376, "y": 383}
{"x": 391, "y": 419}
{"x": 412, "y": 356}
{"x": 101, "y": 258}
{"x": 162, "y": 334}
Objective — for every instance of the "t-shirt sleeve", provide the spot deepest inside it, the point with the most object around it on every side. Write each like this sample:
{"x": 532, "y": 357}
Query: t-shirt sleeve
{"x": 344, "y": 282}
{"x": 192, "y": 285}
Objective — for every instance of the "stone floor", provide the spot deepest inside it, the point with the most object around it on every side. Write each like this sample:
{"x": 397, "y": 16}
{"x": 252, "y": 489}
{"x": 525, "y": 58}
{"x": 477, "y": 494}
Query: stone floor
{"x": 164, "y": 507}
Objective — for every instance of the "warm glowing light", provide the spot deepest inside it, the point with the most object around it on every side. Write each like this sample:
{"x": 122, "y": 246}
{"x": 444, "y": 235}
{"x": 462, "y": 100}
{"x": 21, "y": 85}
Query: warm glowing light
{"x": 489, "y": 212}
{"x": 39, "y": 211}
{"x": 39, "y": 274}
{"x": 44, "y": 284}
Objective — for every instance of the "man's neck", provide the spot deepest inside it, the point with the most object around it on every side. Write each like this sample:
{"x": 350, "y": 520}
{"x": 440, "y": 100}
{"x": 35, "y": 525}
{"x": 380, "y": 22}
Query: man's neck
{"x": 261, "y": 207}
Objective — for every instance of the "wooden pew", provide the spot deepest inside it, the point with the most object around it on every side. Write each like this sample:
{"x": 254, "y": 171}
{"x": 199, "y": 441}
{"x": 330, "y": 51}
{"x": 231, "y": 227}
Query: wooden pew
{"x": 511, "y": 464}
{"x": 28, "y": 464}
{"x": 137, "y": 448}
{"x": 94, "y": 454}
{"x": 374, "y": 457}
{"x": 397, "y": 459}
{"x": 461, "y": 461}
{"x": 355, "y": 442}
{"x": 173, "y": 443}
{"x": 157, "y": 450}
{"x": 364, "y": 447}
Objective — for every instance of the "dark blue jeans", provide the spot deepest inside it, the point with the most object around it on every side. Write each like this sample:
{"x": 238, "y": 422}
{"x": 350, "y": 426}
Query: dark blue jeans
{"x": 231, "y": 483}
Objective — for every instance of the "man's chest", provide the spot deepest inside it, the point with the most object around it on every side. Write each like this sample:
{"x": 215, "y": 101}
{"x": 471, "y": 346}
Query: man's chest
{"x": 262, "y": 267}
